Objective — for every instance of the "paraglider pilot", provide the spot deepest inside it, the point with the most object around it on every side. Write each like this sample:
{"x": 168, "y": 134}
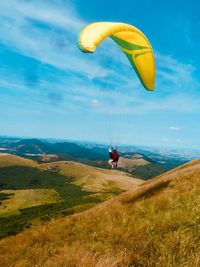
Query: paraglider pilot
{"x": 114, "y": 157}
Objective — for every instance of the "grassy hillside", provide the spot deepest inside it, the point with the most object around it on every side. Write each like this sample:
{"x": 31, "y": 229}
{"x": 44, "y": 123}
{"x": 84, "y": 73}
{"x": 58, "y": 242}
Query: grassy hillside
{"x": 21, "y": 180}
{"x": 12, "y": 160}
{"x": 144, "y": 167}
{"x": 89, "y": 178}
{"x": 93, "y": 179}
{"x": 36, "y": 193}
{"x": 157, "y": 225}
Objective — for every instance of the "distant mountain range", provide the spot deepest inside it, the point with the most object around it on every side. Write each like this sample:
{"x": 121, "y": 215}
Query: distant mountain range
{"x": 36, "y": 147}
{"x": 142, "y": 162}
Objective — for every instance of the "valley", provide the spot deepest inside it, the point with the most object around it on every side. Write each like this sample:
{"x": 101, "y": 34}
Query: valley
{"x": 33, "y": 193}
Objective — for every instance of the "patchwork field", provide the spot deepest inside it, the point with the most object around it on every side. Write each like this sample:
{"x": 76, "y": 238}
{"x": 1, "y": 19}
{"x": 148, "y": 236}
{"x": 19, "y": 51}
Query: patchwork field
{"x": 33, "y": 193}
{"x": 21, "y": 199}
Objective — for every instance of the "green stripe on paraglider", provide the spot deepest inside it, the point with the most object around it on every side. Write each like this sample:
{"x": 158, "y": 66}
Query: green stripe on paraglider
{"x": 142, "y": 53}
{"x": 129, "y": 56}
{"x": 125, "y": 44}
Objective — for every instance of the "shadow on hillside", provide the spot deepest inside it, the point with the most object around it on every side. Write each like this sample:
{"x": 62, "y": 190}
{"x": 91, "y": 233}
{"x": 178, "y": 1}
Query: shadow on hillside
{"x": 148, "y": 192}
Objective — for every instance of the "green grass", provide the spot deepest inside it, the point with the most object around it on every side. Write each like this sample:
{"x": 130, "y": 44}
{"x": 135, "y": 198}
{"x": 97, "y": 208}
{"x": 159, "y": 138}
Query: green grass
{"x": 25, "y": 198}
{"x": 18, "y": 177}
{"x": 65, "y": 179}
{"x": 42, "y": 213}
{"x": 4, "y": 196}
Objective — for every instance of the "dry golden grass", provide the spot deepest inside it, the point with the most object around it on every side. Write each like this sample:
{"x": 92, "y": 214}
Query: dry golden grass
{"x": 13, "y": 160}
{"x": 158, "y": 225}
{"x": 95, "y": 179}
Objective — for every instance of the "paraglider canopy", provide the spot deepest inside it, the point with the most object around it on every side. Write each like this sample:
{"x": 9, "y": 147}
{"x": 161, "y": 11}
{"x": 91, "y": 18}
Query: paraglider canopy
{"x": 131, "y": 41}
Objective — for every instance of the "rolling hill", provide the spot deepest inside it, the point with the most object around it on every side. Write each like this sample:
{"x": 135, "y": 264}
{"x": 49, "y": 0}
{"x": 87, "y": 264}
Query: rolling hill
{"x": 13, "y": 160}
{"x": 93, "y": 179}
{"x": 90, "y": 178}
{"x": 144, "y": 163}
{"x": 33, "y": 193}
{"x": 156, "y": 225}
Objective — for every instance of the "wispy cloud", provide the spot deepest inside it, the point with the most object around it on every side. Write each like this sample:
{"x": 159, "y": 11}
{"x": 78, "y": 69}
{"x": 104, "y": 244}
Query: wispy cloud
{"x": 174, "y": 128}
{"x": 46, "y": 31}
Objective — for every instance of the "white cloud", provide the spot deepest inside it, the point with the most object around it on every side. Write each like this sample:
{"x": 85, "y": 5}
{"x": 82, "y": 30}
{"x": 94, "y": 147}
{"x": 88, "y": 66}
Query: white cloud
{"x": 165, "y": 140}
{"x": 95, "y": 102}
{"x": 174, "y": 128}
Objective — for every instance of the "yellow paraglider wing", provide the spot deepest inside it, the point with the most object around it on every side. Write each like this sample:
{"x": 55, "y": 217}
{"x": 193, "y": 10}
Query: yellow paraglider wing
{"x": 131, "y": 41}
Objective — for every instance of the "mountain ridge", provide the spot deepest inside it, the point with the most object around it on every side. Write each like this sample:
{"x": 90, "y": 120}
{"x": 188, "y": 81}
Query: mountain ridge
{"x": 157, "y": 161}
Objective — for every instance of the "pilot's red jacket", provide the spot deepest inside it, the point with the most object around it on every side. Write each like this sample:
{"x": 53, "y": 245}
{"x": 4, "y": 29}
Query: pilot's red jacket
{"x": 115, "y": 156}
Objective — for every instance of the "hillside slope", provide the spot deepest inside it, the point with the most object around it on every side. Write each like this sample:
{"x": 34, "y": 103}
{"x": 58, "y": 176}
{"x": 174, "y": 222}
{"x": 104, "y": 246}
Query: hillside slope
{"x": 90, "y": 178}
{"x": 13, "y": 160}
{"x": 93, "y": 179}
{"x": 157, "y": 225}
{"x": 33, "y": 193}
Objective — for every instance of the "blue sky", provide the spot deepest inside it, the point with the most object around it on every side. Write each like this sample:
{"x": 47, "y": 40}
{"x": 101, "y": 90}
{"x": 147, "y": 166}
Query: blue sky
{"x": 48, "y": 88}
